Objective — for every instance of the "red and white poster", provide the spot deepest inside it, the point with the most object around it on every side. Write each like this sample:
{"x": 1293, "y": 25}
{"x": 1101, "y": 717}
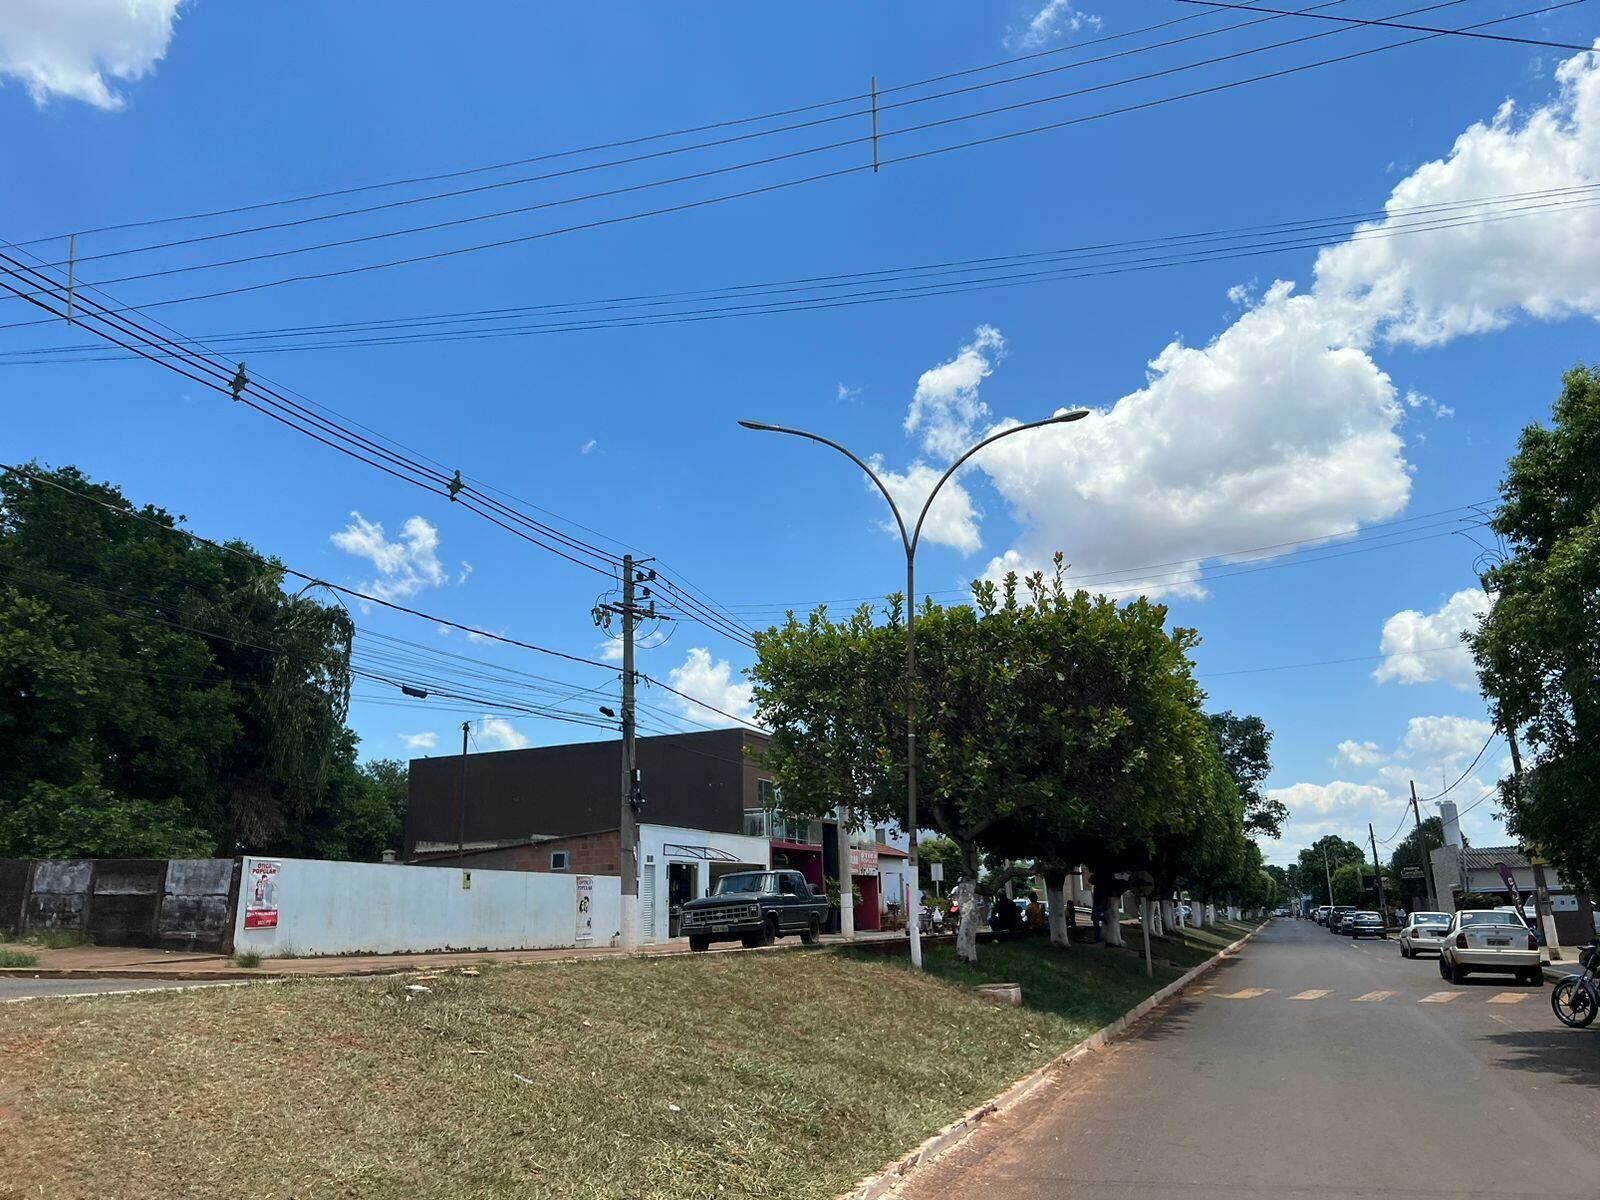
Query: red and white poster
{"x": 261, "y": 895}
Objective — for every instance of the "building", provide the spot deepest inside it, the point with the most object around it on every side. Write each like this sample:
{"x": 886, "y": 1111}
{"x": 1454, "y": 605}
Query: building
{"x": 1459, "y": 871}
{"x": 709, "y": 808}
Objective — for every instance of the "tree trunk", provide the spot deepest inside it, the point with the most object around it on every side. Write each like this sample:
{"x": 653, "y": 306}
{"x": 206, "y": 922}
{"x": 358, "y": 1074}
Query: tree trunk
{"x": 1197, "y": 912}
{"x": 1055, "y": 900}
{"x": 1113, "y": 920}
{"x": 1169, "y": 915}
{"x": 967, "y": 933}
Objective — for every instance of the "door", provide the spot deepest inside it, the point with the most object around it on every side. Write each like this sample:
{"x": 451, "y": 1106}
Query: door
{"x": 793, "y": 893}
{"x": 683, "y": 885}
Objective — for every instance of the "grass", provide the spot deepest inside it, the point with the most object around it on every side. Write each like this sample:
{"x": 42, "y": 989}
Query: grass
{"x": 17, "y": 958}
{"x": 249, "y": 958}
{"x": 57, "y": 939}
{"x": 763, "y": 1075}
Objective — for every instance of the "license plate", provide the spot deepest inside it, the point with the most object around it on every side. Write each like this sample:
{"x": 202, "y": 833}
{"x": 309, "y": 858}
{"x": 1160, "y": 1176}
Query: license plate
{"x": 719, "y": 929}
{"x": 1499, "y": 941}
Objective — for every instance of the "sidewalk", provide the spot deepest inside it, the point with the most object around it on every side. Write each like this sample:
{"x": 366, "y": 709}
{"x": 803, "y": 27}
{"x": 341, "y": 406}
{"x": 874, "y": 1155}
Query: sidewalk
{"x": 117, "y": 962}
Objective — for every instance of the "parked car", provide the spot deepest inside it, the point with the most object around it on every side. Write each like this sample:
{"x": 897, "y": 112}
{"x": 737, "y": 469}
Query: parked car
{"x": 755, "y": 907}
{"x": 1320, "y": 916}
{"x": 1487, "y": 940}
{"x": 1336, "y": 916}
{"x": 1423, "y": 931}
{"x": 1364, "y": 924}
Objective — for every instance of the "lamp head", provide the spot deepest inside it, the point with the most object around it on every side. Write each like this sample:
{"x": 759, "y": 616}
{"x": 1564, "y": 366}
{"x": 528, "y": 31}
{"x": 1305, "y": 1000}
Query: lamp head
{"x": 756, "y": 425}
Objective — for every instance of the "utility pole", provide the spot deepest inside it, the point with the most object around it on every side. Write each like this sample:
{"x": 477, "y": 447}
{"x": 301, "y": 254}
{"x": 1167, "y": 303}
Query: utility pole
{"x": 1541, "y": 889}
{"x": 1383, "y": 902}
{"x": 1328, "y": 871}
{"x": 632, "y": 790}
{"x": 1422, "y": 850}
{"x": 847, "y": 905}
{"x": 461, "y": 800}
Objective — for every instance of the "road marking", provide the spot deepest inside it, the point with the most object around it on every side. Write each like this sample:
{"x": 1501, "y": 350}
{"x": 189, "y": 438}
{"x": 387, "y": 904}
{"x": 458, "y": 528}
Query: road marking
{"x": 1243, "y": 994}
{"x": 1507, "y": 998}
{"x": 1313, "y": 994}
{"x": 1439, "y": 998}
{"x": 1372, "y": 997}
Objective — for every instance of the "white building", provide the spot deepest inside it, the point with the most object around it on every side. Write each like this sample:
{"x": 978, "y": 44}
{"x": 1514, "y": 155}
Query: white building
{"x": 676, "y": 865}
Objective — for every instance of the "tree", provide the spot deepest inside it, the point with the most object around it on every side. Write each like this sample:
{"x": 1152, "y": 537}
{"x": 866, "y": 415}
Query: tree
{"x": 1347, "y": 886}
{"x": 1313, "y": 876}
{"x": 938, "y": 850}
{"x": 1538, "y": 647}
{"x": 158, "y": 696}
{"x": 1246, "y": 744}
{"x": 1410, "y": 853}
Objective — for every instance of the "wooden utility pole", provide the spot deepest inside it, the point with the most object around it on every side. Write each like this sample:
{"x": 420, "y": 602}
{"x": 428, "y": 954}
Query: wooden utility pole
{"x": 461, "y": 800}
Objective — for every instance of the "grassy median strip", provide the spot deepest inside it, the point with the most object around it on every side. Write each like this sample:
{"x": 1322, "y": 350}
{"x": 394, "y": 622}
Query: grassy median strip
{"x": 762, "y": 1075}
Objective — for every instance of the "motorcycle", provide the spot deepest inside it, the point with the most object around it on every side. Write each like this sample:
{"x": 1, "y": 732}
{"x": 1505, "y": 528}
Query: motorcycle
{"x": 1576, "y": 999}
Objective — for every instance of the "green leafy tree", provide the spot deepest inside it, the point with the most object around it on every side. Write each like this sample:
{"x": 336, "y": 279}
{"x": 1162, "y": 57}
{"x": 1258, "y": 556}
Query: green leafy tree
{"x": 1409, "y": 852}
{"x": 157, "y": 696}
{"x": 1347, "y": 888}
{"x": 1246, "y": 744}
{"x": 938, "y": 850}
{"x": 1313, "y": 876}
{"x": 1538, "y": 647}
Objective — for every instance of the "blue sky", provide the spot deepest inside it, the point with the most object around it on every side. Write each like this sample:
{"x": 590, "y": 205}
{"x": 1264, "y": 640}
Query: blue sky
{"x": 1231, "y": 411}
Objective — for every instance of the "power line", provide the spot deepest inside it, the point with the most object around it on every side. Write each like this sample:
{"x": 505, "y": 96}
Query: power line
{"x": 1470, "y": 768}
{"x": 840, "y": 172}
{"x": 982, "y": 274}
{"x": 1389, "y": 24}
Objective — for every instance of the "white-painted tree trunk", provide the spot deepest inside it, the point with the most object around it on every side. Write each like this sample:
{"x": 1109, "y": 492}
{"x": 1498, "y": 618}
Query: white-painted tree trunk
{"x": 1111, "y": 928}
{"x": 967, "y": 931}
{"x": 1055, "y": 902}
{"x": 1197, "y": 913}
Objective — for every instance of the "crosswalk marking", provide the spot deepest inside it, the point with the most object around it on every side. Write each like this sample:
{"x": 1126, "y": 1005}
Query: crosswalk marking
{"x": 1372, "y": 997}
{"x": 1313, "y": 994}
{"x": 1244, "y": 994}
{"x": 1440, "y": 998}
{"x": 1507, "y": 998}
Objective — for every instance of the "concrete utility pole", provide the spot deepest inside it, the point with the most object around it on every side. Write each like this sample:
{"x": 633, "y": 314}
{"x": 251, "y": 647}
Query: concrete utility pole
{"x": 1541, "y": 889}
{"x": 1383, "y": 902}
{"x": 847, "y": 906}
{"x": 632, "y": 790}
{"x": 1422, "y": 851}
{"x": 461, "y": 800}
{"x": 1328, "y": 871}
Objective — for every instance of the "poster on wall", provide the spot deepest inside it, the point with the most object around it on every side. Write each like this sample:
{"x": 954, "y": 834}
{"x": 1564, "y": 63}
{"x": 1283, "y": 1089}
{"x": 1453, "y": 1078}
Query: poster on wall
{"x": 585, "y": 909}
{"x": 261, "y": 895}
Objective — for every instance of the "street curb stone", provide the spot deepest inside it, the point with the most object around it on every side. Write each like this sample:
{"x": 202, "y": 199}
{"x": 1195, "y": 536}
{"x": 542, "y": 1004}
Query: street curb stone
{"x": 895, "y": 1173}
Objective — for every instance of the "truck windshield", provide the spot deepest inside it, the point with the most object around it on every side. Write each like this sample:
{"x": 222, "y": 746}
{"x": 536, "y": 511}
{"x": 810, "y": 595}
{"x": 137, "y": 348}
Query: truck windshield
{"x": 750, "y": 881}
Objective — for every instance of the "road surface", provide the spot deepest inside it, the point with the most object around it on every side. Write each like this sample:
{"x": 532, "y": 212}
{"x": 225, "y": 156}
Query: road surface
{"x": 1308, "y": 1068}
{"x": 19, "y": 988}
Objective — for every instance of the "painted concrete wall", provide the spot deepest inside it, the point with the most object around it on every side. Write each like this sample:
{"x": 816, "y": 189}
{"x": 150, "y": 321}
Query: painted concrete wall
{"x": 377, "y": 908}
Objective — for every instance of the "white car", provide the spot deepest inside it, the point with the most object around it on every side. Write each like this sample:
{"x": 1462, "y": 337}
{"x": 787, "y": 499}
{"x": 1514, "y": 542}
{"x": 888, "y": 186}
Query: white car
{"x": 1487, "y": 940}
{"x": 1423, "y": 931}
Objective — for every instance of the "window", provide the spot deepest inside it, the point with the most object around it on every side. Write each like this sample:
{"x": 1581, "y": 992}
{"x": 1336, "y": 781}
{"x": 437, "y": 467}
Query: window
{"x": 767, "y": 794}
{"x": 882, "y": 835}
{"x": 757, "y": 822}
{"x": 558, "y": 860}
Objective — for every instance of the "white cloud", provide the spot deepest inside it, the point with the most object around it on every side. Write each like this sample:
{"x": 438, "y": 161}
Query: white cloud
{"x": 1426, "y": 647}
{"x": 953, "y": 519}
{"x": 1242, "y": 294}
{"x": 588, "y": 447}
{"x": 1283, "y": 427}
{"x": 847, "y": 393}
{"x": 500, "y": 734}
{"x": 75, "y": 48}
{"x": 946, "y": 407}
{"x": 1359, "y": 754}
{"x": 714, "y": 683}
{"x": 1330, "y": 798}
{"x": 611, "y": 649}
{"x": 420, "y": 741}
{"x": 1420, "y": 400}
{"x": 1444, "y": 741}
{"x": 405, "y": 566}
{"x": 1055, "y": 20}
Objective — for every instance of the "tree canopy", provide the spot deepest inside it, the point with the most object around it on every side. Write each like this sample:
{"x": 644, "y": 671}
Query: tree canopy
{"x": 1312, "y": 874}
{"x": 1538, "y": 647}
{"x": 161, "y": 697}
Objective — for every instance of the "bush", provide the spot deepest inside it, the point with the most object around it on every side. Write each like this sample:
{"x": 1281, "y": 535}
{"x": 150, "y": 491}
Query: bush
{"x": 17, "y": 958}
{"x": 248, "y": 959}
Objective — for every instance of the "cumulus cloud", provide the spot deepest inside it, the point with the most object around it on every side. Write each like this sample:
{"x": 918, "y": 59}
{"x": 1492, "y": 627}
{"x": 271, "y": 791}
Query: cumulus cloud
{"x": 405, "y": 566}
{"x": 1427, "y": 647}
{"x": 497, "y": 733}
{"x": 946, "y": 408}
{"x": 1055, "y": 20}
{"x": 1444, "y": 741}
{"x": 1359, "y": 754}
{"x": 1283, "y": 427}
{"x": 953, "y": 519}
{"x": 714, "y": 683}
{"x": 420, "y": 741}
{"x": 77, "y": 48}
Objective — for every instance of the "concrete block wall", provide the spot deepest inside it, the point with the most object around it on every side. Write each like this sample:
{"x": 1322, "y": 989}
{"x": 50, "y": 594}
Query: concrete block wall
{"x": 177, "y": 904}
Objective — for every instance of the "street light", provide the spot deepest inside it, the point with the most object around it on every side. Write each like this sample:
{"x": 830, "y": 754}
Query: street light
{"x": 910, "y": 542}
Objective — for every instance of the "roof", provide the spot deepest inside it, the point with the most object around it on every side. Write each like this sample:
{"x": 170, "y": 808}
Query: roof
{"x": 1485, "y": 859}
{"x": 887, "y": 851}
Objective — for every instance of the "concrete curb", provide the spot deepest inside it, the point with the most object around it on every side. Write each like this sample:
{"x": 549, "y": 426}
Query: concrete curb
{"x": 953, "y": 1134}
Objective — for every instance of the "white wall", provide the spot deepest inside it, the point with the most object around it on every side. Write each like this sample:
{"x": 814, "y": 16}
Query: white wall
{"x": 663, "y": 844}
{"x": 377, "y": 908}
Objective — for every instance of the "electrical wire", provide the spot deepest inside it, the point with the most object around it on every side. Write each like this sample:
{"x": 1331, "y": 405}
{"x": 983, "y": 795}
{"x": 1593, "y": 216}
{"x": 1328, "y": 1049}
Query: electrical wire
{"x": 1470, "y": 768}
{"x": 1388, "y": 24}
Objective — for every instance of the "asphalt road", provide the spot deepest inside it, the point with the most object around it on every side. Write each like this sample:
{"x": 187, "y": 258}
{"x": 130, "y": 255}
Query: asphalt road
{"x": 17, "y": 988}
{"x": 1309, "y": 1066}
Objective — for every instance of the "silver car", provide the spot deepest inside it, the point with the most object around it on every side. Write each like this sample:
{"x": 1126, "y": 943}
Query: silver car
{"x": 1487, "y": 940}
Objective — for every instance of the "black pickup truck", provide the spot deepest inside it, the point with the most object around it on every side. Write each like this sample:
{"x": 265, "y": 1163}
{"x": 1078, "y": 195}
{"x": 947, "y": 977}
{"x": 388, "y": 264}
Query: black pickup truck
{"x": 755, "y": 907}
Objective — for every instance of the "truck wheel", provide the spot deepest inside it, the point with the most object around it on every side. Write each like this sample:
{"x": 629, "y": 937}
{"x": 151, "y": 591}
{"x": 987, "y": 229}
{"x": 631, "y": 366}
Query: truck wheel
{"x": 813, "y": 928}
{"x": 769, "y": 932}
{"x": 750, "y": 940}
{"x": 699, "y": 943}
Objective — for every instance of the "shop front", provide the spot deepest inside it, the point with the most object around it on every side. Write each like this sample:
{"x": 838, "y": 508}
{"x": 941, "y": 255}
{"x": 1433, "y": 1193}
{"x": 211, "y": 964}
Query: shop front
{"x": 676, "y": 865}
{"x": 864, "y": 874}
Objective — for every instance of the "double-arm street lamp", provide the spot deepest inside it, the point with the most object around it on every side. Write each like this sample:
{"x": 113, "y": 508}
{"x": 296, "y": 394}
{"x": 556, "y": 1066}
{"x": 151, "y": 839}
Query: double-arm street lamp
{"x": 910, "y": 542}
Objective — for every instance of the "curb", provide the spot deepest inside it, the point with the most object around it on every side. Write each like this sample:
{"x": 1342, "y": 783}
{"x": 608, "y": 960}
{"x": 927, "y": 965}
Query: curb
{"x": 895, "y": 1173}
